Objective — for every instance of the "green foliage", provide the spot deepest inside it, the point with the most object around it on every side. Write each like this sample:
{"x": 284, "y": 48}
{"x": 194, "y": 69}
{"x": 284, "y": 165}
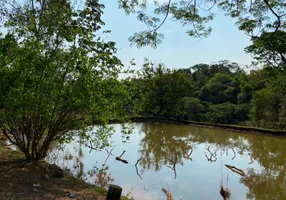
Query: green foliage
{"x": 163, "y": 90}
{"x": 56, "y": 75}
{"x": 245, "y": 94}
{"x": 192, "y": 108}
{"x": 260, "y": 104}
{"x": 253, "y": 18}
{"x": 269, "y": 51}
{"x": 222, "y": 113}
{"x": 221, "y": 93}
{"x": 219, "y": 89}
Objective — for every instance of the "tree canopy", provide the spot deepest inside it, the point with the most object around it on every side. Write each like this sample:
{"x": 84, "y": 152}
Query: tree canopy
{"x": 253, "y": 17}
{"x": 56, "y": 74}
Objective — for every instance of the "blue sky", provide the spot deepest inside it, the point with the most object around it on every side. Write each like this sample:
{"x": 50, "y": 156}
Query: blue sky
{"x": 178, "y": 50}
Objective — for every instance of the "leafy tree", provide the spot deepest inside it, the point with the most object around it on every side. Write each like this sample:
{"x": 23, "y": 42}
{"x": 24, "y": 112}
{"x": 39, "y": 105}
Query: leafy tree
{"x": 252, "y": 17}
{"x": 200, "y": 75}
{"x": 242, "y": 112}
{"x": 192, "y": 108}
{"x": 260, "y": 105}
{"x": 257, "y": 79}
{"x": 222, "y": 113}
{"x": 164, "y": 89}
{"x": 55, "y": 73}
{"x": 245, "y": 94}
{"x": 219, "y": 89}
{"x": 269, "y": 51}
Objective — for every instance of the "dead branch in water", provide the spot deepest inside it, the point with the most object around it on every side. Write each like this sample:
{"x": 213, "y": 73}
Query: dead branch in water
{"x": 188, "y": 157}
{"x": 109, "y": 153}
{"x": 213, "y": 155}
{"x": 225, "y": 193}
{"x": 137, "y": 168}
{"x": 174, "y": 167}
{"x": 120, "y": 159}
{"x": 234, "y": 154}
{"x": 167, "y": 193}
{"x": 251, "y": 160}
{"x": 90, "y": 146}
{"x": 122, "y": 154}
{"x": 236, "y": 170}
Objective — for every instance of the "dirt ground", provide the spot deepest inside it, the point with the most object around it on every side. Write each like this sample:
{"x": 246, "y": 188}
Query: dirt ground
{"x": 17, "y": 178}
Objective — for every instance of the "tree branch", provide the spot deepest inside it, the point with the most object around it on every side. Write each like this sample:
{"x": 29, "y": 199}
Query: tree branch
{"x": 276, "y": 15}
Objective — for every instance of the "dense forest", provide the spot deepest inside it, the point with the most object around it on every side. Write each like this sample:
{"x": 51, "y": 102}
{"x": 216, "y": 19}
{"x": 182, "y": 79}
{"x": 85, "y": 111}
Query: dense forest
{"x": 223, "y": 93}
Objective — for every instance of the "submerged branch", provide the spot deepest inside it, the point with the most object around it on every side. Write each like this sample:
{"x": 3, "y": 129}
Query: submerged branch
{"x": 225, "y": 193}
{"x": 234, "y": 154}
{"x": 167, "y": 193}
{"x": 122, "y": 154}
{"x": 236, "y": 170}
{"x": 109, "y": 153}
{"x": 174, "y": 167}
{"x": 120, "y": 159}
{"x": 213, "y": 155}
{"x": 137, "y": 168}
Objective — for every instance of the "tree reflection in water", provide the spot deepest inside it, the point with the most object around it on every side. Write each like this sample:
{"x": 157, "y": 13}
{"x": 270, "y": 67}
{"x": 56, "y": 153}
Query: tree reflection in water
{"x": 171, "y": 146}
{"x": 168, "y": 145}
{"x": 164, "y": 146}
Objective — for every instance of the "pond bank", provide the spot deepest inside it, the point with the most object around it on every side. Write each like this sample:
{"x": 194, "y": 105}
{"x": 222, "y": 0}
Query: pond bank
{"x": 210, "y": 125}
{"x": 17, "y": 178}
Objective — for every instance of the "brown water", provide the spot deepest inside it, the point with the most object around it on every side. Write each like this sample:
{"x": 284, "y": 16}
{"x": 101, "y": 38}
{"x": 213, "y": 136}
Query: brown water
{"x": 188, "y": 161}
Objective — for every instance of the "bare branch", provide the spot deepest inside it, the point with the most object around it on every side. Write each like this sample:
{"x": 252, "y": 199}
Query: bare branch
{"x": 166, "y": 16}
{"x": 234, "y": 154}
{"x": 174, "y": 166}
{"x": 137, "y": 168}
{"x": 277, "y": 16}
{"x": 108, "y": 155}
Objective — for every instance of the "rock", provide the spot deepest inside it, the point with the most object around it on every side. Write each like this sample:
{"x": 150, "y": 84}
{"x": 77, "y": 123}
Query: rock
{"x": 58, "y": 173}
{"x": 45, "y": 176}
{"x": 36, "y": 185}
{"x": 70, "y": 195}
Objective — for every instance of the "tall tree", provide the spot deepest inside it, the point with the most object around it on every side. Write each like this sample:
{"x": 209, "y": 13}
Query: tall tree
{"x": 55, "y": 73}
{"x": 164, "y": 89}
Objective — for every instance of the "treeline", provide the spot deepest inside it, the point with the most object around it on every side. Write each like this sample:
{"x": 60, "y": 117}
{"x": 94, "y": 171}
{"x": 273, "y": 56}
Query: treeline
{"x": 222, "y": 93}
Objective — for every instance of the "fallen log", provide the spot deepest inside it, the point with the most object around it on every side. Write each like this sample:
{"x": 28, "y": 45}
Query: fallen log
{"x": 120, "y": 159}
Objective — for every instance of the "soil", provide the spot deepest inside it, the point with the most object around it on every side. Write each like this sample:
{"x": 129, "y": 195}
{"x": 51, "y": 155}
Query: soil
{"x": 17, "y": 178}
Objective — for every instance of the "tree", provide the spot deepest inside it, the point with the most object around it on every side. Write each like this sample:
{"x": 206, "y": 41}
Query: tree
{"x": 269, "y": 51}
{"x": 254, "y": 17}
{"x": 192, "y": 108}
{"x": 164, "y": 90}
{"x": 219, "y": 89}
{"x": 260, "y": 105}
{"x": 222, "y": 113}
{"x": 56, "y": 74}
{"x": 245, "y": 94}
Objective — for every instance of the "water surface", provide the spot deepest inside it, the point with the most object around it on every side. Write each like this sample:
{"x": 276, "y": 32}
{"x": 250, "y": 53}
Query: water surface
{"x": 188, "y": 161}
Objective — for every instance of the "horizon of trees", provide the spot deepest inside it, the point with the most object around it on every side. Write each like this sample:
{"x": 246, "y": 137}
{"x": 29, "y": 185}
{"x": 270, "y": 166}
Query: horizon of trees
{"x": 221, "y": 93}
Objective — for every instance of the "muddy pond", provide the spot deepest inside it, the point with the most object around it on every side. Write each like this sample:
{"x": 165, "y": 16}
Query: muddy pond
{"x": 188, "y": 161}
